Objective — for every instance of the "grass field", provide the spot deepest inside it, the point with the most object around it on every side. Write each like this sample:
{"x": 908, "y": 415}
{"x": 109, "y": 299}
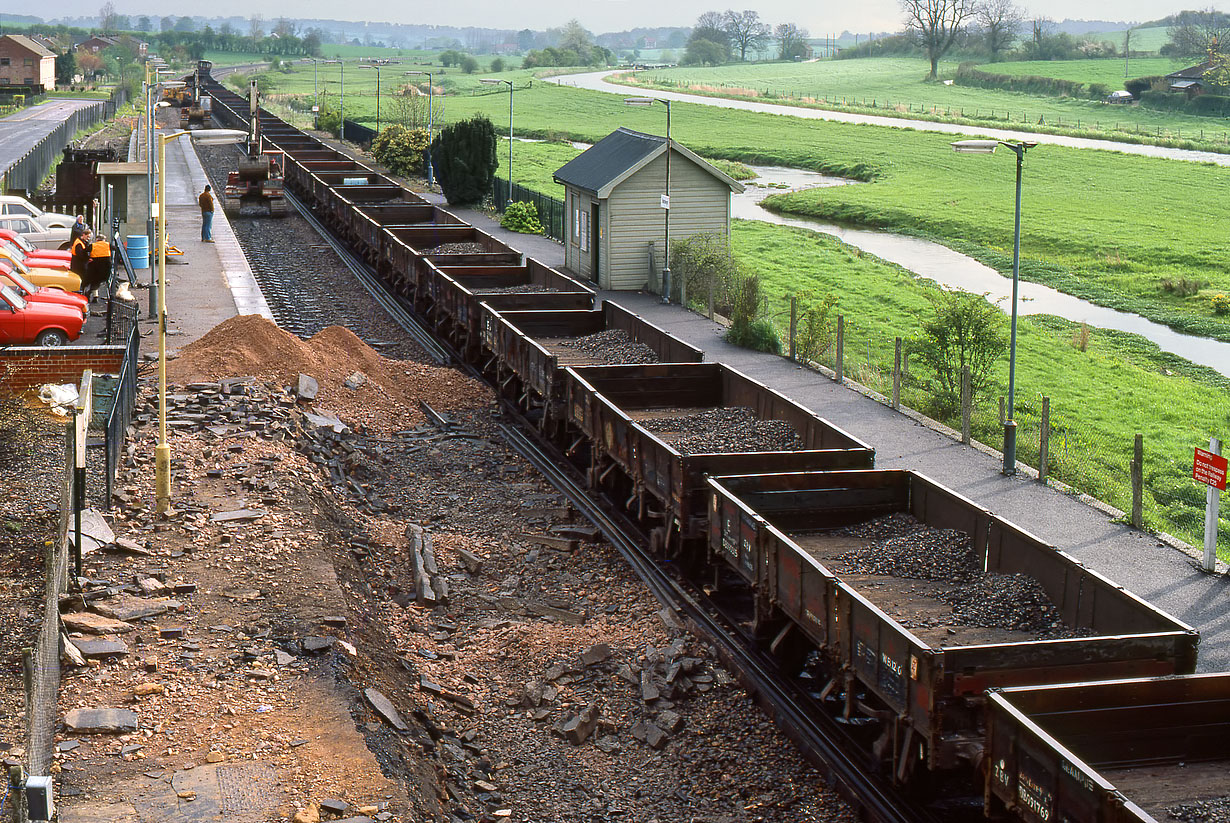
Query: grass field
{"x": 1137, "y": 389}
{"x": 1108, "y": 72}
{"x": 896, "y": 86}
{"x": 1148, "y": 39}
{"x": 1107, "y": 227}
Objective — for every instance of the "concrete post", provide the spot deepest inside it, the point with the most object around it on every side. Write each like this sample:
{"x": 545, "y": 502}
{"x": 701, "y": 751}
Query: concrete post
{"x": 967, "y": 405}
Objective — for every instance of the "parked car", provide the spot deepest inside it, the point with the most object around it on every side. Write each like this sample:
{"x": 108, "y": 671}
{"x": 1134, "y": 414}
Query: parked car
{"x": 36, "y": 260}
{"x": 1119, "y": 97}
{"x": 61, "y": 279}
{"x": 32, "y": 251}
{"x": 11, "y": 204}
{"x": 42, "y": 294}
{"x": 24, "y": 322}
{"x": 38, "y": 235}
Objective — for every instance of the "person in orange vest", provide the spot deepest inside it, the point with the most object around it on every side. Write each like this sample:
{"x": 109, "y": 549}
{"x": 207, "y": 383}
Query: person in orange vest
{"x": 98, "y": 269}
{"x": 206, "y": 202}
{"x": 80, "y": 250}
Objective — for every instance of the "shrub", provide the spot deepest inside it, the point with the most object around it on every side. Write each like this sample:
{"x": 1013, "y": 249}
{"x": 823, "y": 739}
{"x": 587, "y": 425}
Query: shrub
{"x": 463, "y": 158}
{"x": 1139, "y": 85}
{"x": 964, "y": 330}
{"x": 1098, "y": 91}
{"x": 746, "y": 329}
{"x": 522, "y": 218}
{"x": 759, "y": 335}
{"x": 401, "y": 149}
{"x": 329, "y": 119}
{"x": 1220, "y": 304}
{"x": 814, "y": 333}
{"x": 497, "y": 65}
{"x": 469, "y": 65}
{"x": 700, "y": 260}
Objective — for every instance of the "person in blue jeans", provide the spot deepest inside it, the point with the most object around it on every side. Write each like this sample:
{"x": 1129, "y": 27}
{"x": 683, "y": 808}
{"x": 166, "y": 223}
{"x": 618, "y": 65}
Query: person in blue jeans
{"x": 206, "y": 202}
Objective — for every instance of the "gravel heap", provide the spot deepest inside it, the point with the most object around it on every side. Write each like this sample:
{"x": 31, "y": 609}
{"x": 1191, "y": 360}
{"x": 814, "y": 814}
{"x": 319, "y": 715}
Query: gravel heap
{"x": 723, "y": 430}
{"x": 386, "y": 397}
{"x": 456, "y": 248}
{"x": 1202, "y": 811}
{"x": 527, "y": 288}
{"x": 611, "y": 346}
{"x": 899, "y": 546}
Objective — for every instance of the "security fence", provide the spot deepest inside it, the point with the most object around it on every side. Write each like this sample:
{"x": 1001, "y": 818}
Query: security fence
{"x": 29, "y": 170}
{"x": 550, "y": 210}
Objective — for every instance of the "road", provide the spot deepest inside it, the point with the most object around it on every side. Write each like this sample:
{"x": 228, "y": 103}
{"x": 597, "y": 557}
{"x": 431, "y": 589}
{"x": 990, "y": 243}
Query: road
{"x": 22, "y": 130}
{"x": 596, "y": 81}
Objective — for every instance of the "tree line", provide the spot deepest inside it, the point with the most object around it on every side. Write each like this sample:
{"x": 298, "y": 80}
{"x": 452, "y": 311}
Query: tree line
{"x": 718, "y": 37}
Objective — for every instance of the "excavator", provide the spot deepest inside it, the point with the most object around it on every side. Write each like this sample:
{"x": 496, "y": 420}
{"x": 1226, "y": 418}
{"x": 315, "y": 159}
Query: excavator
{"x": 255, "y": 188}
{"x": 195, "y": 107}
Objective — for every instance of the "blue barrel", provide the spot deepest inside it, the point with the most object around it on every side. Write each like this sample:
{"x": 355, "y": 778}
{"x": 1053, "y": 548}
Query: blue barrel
{"x": 138, "y": 251}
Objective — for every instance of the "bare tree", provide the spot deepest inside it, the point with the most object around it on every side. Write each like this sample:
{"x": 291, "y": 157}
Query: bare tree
{"x": 936, "y": 24}
{"x": 1000, "y": 21}
{"x": 746, "y": 30}
{"x": 410, "y": 107}
{"x": 107, "y": 17}
{"x": 1197, "y": 32}
{"x": 1038, "y": 28}
{"x": 256, "y": 27}
{"x": 791, "y": 41}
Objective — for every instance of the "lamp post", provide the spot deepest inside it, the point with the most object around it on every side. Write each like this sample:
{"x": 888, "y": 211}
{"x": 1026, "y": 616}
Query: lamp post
{"x": 316, "y": 94}
{"x": 341, "y": 106}
{"x": 495, "y": 81}
{"x": 150, "y": 130}
{"x": 666, "y": 200}
{"x": 1018, "y": 147}
{"x": 430, "y": 124}
{"x": 162, "y": 453}
{"x": 377, "y": 65}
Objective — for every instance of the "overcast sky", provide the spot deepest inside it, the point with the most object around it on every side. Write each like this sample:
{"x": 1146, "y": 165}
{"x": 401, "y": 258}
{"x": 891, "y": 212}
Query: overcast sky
{"x": 617, "y": 15}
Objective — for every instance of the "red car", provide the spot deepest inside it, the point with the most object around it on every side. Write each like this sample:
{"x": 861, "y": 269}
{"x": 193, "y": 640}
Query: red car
{"x": 24, "y": 322}
{"x": 42, "y": 294}
{"x": 32, "y": 255}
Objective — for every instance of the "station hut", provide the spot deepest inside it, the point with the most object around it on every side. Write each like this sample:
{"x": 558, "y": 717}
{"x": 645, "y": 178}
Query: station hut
{"x": 614, "y": 221}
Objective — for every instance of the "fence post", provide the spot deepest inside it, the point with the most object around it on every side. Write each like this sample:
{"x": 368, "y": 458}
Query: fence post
{"x": 1138, "y": 482}
{"x": 1044, "y": 447}
{"x": 1002, "y": 419}
{"x": 897, "y": 375}
{"x": 967, "y": 405}
{"x": 711, "y": 279}
{"x": 841, "y": 345}
{"x": 794, "y": 318}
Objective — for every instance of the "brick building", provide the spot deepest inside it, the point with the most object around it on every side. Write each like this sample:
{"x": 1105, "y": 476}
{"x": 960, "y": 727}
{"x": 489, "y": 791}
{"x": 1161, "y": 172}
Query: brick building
{"x": 24, "y": 62}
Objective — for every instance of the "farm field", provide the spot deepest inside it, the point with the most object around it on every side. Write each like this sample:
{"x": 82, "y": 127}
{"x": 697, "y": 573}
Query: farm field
{"x": 1108, "y": 71}
{"x": 1144, "y": 39}
{"x": 896, "y": 86}
{"x": 1103, "y": 226}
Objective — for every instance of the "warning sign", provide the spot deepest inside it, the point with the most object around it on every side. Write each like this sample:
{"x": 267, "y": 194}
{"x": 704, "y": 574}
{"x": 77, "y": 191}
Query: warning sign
{"x": 1210, "y": 469}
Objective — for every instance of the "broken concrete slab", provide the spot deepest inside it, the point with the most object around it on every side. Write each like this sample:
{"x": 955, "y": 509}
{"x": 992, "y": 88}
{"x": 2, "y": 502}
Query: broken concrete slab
{"x": 237, "y": 516}
{"x": 383, "y": 707}
{"x": 89, "y": 623}
{"x": 307, "y": 387}
{"x": 597, "y": 653}
{"x": 101, "y": 649}
{"x": 131, "y": 608}
{"x": 101, "y": 721}
{"x": 95, "y": 532}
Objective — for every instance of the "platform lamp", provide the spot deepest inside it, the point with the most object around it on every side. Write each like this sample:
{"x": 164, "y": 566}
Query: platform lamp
{"x": 341, "y": 105}
{"x": 1018, "y": 147}
{"x": 430, "y": 124}
{"x": 666, "y": 200}
{"x": 150, "y": 129}
{"x": 378, "y": 65}
{"x": 315, "y": 93}
{"x": 162, "y": 453}
{"x": 495, "y": 81}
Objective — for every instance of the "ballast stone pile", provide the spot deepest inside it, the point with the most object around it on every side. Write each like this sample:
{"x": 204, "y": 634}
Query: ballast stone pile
{"x": 900, "y": 546}
{"x": 723, "y": 430}
{"x": 611, "y": 346}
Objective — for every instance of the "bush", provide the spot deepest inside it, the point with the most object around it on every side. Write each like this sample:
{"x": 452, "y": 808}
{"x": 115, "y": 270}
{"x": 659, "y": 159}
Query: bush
{"x": 401, "y": 149}
{"x": 1098, "y": 91}
{"x": 1139, "y": 85}
{"x": 746, "y": 329}
{"x": 522, "y": 218}
{"x": 1211, "y": 105}
{"x": 1220, "y": 304}
{"x": 814, "y": 334}
{"x": 469, "y": 65}
{"x": 463, "y": 158}
{"x": 700, "y": 260}
{"x": 497, "y": 65}
{"x": 967, "y": 75}
{"x": 759, "y": 335}
{"x": 964, "y": 330}
{"x": 329, "y": 119}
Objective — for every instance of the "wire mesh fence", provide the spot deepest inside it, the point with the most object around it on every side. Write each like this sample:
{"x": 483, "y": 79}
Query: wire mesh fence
{"x": 550, "y": 210}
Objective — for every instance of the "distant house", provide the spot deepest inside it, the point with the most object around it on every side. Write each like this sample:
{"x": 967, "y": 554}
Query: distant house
{"x": 97, "y": 43}
{"x": 50, "y": 43}
{"x": 1189, "y": 80}
{"x": 24, "y": 62}
{"x": 614, "y": 217}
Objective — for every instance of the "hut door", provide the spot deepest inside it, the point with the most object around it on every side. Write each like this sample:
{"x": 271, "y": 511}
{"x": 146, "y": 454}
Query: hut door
{"x": 594, "y": 236}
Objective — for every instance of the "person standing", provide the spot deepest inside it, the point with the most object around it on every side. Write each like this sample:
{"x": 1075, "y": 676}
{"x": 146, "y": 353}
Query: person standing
{"x": 79, "y": 227}
{"x": 206, "y": 202}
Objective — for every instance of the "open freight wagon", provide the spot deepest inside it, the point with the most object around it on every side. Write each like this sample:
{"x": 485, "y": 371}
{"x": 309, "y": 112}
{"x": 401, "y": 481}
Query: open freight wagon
{"x": 533, "y": 347}
{"x": 823, "y": 558}
{"x": 1128, "y": 751}
{"x": 633, "y": 415}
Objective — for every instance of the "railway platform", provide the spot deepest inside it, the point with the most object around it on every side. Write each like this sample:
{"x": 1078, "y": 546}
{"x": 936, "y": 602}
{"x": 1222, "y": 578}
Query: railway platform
{"x": 1091, "y": 532}
{"x": 210, "y": 282}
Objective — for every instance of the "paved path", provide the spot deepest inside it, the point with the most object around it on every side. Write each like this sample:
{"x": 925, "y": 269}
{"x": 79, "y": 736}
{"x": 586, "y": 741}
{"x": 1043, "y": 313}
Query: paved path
{"x": 596, "y": 81}
{"x": 1167, "y": 577}
{"x": 22, "y": 130}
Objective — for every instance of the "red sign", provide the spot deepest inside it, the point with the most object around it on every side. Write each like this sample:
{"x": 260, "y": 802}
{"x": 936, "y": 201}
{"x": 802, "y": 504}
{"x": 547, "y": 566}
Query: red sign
{"x": 1210, "y": 469}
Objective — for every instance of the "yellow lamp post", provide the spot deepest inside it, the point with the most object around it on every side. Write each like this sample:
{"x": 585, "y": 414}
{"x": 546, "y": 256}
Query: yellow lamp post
{"x": 162, "y": 453}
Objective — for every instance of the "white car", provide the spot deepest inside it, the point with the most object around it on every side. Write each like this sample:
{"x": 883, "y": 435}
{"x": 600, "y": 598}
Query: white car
{"x": 39, "y": 236}
{"x": 21, "y": 207}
